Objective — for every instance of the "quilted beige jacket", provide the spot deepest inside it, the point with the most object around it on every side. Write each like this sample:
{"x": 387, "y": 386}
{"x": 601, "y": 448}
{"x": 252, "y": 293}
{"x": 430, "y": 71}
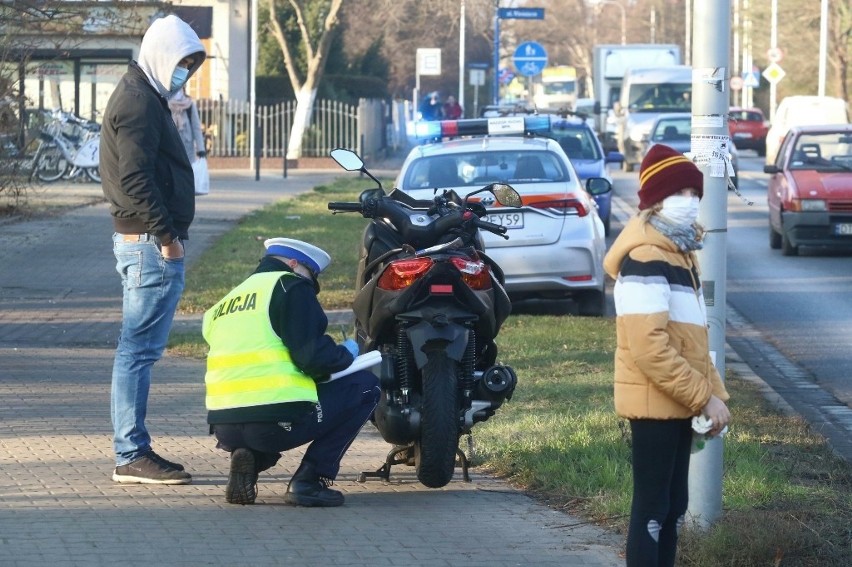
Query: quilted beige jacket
{"x": 663, "y": 368}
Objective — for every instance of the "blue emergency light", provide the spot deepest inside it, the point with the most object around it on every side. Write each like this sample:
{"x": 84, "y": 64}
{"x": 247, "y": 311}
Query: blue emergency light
{"x": 496, "y": 126}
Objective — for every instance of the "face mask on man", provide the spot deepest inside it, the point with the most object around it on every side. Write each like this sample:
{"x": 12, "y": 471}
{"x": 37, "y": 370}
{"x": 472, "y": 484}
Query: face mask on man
{"x": 179, "y": 78}
{"x": 680, "y": 209}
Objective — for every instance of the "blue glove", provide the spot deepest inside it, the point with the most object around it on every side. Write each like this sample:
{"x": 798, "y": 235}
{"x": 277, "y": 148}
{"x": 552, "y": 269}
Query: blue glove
{"x": 352, "y": 346}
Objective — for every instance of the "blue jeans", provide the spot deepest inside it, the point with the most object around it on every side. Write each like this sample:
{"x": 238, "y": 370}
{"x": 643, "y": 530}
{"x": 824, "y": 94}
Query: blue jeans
{"x": 152, "y": 288}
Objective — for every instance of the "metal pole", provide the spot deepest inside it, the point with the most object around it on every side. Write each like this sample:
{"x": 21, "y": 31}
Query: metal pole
{"x": 773, "y": 42}
{"x": 823, "y": 46}
{"x": 712, "y": 33}
{"x": 252, "y": 75}
{"x": 687, "y": 40}
{"x": 495, "y": 87}
{"x": 461, "y": 55}
{"x": 747, "y": 90}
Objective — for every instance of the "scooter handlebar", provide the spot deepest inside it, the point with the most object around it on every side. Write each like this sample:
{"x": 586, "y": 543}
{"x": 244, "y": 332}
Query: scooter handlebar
{"x": 492, "y": 227}
{"x": 345, "y": 207}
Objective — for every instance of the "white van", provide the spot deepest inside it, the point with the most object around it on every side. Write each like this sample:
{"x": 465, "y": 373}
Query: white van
{"x": 803, "y": 111}
{"x": 645, "y": 95}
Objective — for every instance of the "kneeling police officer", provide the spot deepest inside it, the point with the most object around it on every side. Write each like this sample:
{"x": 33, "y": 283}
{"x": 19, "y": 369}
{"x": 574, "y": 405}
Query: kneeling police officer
{"x": 268, "y": 387}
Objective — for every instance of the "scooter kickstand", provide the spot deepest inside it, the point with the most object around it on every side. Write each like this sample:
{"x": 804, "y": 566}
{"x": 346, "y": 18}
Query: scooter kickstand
{"x": 383, "y": 472}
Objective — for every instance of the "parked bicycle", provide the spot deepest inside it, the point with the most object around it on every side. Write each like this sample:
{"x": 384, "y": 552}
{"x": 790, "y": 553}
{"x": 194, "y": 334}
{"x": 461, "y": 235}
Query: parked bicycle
{"x": 72, "y": 148}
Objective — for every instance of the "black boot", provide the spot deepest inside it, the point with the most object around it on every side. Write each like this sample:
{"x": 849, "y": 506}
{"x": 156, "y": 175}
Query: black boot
{"x": 242, "y": 480}
{"x": 307, "y": 488}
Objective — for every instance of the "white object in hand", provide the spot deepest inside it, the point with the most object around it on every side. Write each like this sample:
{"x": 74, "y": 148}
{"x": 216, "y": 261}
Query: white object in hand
{"x": 702, "y": 424}
{"x": 366, "y": 360}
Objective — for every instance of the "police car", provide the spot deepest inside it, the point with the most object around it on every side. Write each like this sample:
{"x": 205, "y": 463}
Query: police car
{"x": 556, "y": 238}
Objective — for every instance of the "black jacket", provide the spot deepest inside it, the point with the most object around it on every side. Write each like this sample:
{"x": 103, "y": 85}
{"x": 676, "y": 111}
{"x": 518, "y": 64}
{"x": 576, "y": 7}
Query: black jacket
{"x": 147, "y": 177}
{"x": 298, "y": 318}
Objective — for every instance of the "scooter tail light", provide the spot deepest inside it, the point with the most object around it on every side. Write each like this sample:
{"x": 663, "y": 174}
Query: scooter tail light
{"x": 475, "y": 274}
{"x": 402, "y": 273}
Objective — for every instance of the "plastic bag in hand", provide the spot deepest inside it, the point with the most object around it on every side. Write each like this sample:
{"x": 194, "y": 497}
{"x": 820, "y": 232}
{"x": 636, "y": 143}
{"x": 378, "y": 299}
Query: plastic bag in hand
{"x": 352, "y": 346}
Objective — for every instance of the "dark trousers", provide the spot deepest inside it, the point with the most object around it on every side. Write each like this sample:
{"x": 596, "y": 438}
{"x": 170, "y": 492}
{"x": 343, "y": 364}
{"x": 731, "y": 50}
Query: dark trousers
{"x": 661, "y": 451}
{"x": 344, "y": 405}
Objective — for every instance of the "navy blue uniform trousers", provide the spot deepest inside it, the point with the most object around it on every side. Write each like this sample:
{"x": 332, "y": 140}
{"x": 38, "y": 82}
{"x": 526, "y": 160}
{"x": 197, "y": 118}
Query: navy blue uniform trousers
{"x": 344, "y": 406}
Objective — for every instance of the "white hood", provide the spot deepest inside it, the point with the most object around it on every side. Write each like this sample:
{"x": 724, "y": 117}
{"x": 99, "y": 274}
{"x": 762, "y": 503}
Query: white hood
{"x": 166, "y": 42}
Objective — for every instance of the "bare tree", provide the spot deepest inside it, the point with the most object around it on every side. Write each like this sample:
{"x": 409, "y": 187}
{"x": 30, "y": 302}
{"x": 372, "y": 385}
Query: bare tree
{"x": 840, "y": 33}
{"x": 315, "y": 41}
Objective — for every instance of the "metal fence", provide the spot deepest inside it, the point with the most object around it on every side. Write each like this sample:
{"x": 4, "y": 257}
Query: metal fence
{"x": 362, "y": 127}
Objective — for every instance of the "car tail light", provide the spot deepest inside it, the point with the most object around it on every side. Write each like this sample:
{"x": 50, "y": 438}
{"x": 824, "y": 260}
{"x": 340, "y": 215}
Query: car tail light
{"x": 475, "y": 274}
{"x": 583, "y": 278}
{"x": 573, "y": 207}
{"x": 402, "y": 273}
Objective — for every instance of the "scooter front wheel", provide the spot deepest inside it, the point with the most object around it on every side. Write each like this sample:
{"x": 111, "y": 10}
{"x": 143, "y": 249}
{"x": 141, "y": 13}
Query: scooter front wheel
{"x": 435, "y": 451}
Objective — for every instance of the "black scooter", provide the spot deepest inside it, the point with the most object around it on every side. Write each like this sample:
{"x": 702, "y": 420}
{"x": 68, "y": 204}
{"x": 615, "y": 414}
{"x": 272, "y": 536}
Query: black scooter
{"x": 431, "y": 301}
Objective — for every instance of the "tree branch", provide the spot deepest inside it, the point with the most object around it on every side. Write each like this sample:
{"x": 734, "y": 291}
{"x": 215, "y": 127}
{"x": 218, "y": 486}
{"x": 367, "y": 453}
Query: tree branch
{"x": 279, "y": 36}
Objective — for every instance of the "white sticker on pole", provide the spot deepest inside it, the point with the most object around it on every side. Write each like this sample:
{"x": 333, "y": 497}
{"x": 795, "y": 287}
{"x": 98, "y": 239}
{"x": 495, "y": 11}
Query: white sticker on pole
{"x": 707, "y": 121}
{"x": 714, "y": 152}
{"x": 506, "y": 125}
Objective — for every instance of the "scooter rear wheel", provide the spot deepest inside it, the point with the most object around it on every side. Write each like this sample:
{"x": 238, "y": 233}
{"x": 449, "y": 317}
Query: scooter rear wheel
{"x": 435, "y": 451}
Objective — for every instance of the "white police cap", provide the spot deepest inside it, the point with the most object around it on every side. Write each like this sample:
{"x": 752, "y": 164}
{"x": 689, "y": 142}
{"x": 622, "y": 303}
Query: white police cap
{"x": 315, "y": 258}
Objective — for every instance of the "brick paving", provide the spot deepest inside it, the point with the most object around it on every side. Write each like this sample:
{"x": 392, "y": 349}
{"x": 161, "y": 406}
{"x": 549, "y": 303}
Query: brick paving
{"x": 59, "y": 317}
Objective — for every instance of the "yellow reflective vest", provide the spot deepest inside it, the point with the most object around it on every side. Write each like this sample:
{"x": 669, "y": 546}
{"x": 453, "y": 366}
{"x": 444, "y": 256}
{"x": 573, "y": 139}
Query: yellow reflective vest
{"x": 248, "y": 365}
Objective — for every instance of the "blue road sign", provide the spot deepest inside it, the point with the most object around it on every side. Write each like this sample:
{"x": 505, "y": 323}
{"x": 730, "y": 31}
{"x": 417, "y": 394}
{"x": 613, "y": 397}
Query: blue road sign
{"x": 520, "y": 13}
{"x": 751, "y": 79}
{"x": 530, "y": 58}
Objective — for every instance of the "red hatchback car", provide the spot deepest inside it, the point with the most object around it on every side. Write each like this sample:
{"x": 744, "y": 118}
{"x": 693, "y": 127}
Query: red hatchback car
{"x": 747, "y": 128}
{"x": 810, "y": 189}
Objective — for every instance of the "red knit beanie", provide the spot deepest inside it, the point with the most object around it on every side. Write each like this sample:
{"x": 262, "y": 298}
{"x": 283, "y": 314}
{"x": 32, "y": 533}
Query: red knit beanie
{"x": 663, "y": 173}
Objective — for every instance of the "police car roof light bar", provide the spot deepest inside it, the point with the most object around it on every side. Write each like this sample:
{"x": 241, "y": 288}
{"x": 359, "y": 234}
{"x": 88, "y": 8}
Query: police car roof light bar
{"x": 503, "y": 125}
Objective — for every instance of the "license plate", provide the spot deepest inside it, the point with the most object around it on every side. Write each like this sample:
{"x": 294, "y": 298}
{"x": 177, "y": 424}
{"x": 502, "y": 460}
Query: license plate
{"x": 843, "y": 229}
{"x": 509, "y": 220}
{"x": 742, "y": 135}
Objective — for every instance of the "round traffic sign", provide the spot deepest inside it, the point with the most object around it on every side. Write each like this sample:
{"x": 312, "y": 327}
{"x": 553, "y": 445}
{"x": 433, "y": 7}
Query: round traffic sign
{"x": 530, "y": 58}
{"x": 774, "y": 54}
{"x": 736, "y": 83}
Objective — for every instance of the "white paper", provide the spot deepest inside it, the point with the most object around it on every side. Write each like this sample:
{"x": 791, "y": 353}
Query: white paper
{"x": 362, "y": 361}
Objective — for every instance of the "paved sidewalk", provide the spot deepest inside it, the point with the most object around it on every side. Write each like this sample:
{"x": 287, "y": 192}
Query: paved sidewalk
{"x": 60, "y": 302}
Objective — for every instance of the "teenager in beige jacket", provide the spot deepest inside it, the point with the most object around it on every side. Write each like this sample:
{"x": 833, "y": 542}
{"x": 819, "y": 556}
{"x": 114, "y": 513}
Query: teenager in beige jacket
{"x": 663, "y": 372}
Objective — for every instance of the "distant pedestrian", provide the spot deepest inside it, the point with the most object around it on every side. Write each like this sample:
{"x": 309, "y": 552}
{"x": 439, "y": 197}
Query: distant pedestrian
{"x": 148, "y": 181}
{"x": 452, "y": 109}
{"x": 430, "y": 108}
{"x": 268, "y": 387}
{"x": 664, "y": 375}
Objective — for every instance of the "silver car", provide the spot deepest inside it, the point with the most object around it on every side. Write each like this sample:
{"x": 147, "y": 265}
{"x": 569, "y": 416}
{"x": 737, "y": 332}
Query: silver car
{"x": 556, "y": 241}
{"x": 675, "y": 130}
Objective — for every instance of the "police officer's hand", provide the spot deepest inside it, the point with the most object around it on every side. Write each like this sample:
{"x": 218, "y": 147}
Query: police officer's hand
{"x": 352, "y": 346}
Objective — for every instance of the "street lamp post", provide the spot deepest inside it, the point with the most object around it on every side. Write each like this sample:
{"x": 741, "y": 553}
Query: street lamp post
{"x": 623, "y": 18}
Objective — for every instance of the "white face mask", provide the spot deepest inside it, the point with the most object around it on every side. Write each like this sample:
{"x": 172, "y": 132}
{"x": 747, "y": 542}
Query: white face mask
{"x": 680, "y": 209}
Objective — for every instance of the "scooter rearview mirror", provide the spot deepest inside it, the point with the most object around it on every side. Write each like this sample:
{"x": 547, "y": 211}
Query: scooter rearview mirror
{"x": 506, "y": 195}
{"x": 347, "y": 159}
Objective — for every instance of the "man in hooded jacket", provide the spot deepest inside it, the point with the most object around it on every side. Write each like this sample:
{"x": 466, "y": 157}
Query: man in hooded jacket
{"x": 148, "y": 182}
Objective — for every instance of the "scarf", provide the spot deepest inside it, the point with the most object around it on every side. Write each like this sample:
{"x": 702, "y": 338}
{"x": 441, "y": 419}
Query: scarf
{"x": 179, "y": 104}
{"x": 685, "y": 236}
